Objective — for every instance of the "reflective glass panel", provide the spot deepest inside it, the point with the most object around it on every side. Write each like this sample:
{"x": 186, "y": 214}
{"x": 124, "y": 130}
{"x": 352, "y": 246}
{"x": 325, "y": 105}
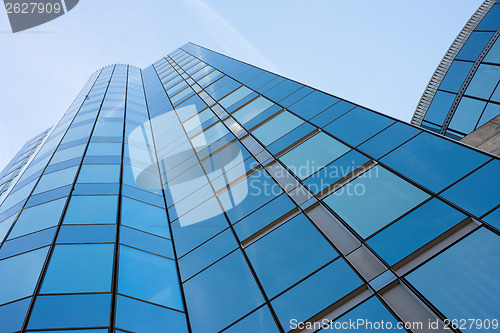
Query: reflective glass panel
{"x": 145, "y": 217}
{"x": 433, "y": 162}
{"x": 72, "y": 311}
{"x": 277, "y": 127}
{"x": 149, "y": 277}
{"x": 91, "y": 210}
{"x": 31, "y": 219}
{"x": 258, "y": 321}
{"x": 414, "y": 230}
{"x": 288, "y": 254}
{"x": 315, "y": 293}
{"x": 13, "y": 315}
{"x": 20, "y": 274}
{"x": 252, "y": 109}
{"x": 467, "y": 273}
{"x": 383, "y": 196}
{"x": 136, "y": 316}
{"x": 313, "y": 154}
{"x": 478, "y": 192}
{"x": 221, "y": 294}
{"x": 79, "y": 268}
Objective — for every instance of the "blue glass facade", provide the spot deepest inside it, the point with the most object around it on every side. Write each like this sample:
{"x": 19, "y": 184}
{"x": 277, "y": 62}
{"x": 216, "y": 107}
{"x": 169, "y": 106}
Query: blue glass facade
{"x": 203, "y": 194}
{"x": 463, "y": 93}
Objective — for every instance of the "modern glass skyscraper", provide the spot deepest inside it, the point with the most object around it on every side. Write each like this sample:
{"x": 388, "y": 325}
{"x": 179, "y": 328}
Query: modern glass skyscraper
{"x": 463, "y": 93}
{"x": 203, "y": 194}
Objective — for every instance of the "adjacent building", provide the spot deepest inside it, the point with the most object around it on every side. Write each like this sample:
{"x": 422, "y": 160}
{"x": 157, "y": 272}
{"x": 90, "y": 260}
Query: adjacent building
{"x": 463, "y": 93}
{"x": 203, "y": 194}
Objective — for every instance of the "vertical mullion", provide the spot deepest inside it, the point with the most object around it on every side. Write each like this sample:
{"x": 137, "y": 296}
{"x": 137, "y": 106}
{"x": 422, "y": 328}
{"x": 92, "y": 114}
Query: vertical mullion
{"x": 114, "y": 287}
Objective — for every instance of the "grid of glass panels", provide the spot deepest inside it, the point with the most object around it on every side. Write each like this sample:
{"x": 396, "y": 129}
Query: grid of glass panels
{"x": 406, "y": 208}
{"x": 479, "y": 102}
{"x": 182, "y": 198}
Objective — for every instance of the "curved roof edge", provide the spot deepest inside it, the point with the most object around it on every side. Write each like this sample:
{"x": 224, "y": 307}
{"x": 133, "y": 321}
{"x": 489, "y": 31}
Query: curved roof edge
{"x": 444, "y": 65}
{"x": 101, "y": 68}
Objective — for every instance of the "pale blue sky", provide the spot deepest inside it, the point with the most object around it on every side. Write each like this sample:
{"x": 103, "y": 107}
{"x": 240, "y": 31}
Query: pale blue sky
{"x": 379, "y": 54}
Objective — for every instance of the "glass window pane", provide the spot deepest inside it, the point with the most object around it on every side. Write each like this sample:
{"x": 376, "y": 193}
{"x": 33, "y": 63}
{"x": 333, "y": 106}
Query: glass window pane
{"x": 313, "y": 154}
{"x": 209, "y": 135}
{"x": 86, "y": 234}
{"x": 374, "y": 199}
{"x": 222, "y": 87}
{"x": 490, "y": 112}
{"x": 136, "y": 316}
{"x": 190, "y": 235}
{"x": 332, "y": 113}
{"x": 258, "y": 321}
{"x": 358, "y": 125}
{"x": 484, "y": 81}
{"x": 263, "y": 216}
{"x": 104, "y": 149}
{"x": 91, "y": 210}
{"x": 282, "y": 90}
{"x": 455, "y": 76}
{"x": 67, "y": 154}
{"x": 235, "y": 96}
{"x": 146, "y": 242}
{"x": 315, "y": 293}
{"x": 221, "y": 294}
{"x": 72, "y": 311}
{"x": 145, "y": 217}
{"x": 388, "y": 139}
{"x": 13, "y": 315}
{"x": 312, "y": 104}
{"x": 252, "y": 109}
{"x": 149, "y": 277}
{"x": 439, "y": 107}
{"x": 433, "y": 162}
{"x": 493, "y": 218}
{"x": 474, "y": 45}
{"x": 31, "y": 219}
{"x": 478, "y": 192}
{"x": 181, "y": 96}
{"x": 108, "y": 128}
{"x": 5, "y": 226}
{"x": 491, "y": 20}
{"x": 493, "y": 54}
{"x": 262, "y": 79}
{"x": 336, "y": 170}
{"x": 56, "y": 179}
{"x": 466, "y": 273}
{"x": 259, "y": 189}
{"x": 295, "y": 135}
{"x": 99, "y": 174}
{"x": 467, "y": 114}
{"x": 79, "y": 268}
{"x": 27, "y": 243}
{"x": 414, "y": 230}
{"x": 20, "y": 274}
{"x": 280, "y": 254}
{"x": 206, "y": 254}
{"x": 296, "y": 96}
{"x": 277, "y": 127}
